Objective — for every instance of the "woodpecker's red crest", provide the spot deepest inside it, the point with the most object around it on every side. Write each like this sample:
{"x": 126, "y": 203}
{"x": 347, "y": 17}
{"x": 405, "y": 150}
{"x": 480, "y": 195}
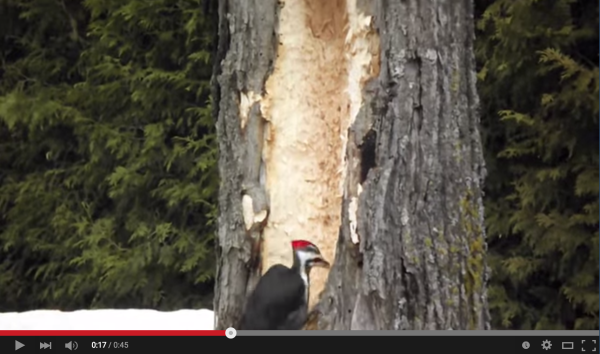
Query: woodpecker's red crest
{"x": 298, "y": 244}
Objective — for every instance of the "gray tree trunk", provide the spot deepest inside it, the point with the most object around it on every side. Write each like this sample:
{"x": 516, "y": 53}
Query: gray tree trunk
{"x": 353, "y": 124}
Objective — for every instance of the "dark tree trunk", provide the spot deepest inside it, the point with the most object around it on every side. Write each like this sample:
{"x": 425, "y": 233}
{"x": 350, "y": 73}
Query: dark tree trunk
{"x": 246, "y": 51}
{"x": 353, "y": 124}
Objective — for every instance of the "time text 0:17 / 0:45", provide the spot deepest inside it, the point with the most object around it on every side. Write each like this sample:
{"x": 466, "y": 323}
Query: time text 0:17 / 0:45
{"x": 109, "y": 345}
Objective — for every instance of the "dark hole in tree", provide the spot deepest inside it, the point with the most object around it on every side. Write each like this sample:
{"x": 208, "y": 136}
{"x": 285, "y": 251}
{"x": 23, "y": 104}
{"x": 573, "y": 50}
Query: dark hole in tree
{"x": 367, "y": 152}
{"x": 360, "y": 260}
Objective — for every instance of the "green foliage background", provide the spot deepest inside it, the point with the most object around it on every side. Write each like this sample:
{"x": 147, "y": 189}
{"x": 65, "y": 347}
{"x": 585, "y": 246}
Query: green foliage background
{"x": 539, "y": 89}
{"x": 108, "y": 156}
{"x": 107, "y": 170}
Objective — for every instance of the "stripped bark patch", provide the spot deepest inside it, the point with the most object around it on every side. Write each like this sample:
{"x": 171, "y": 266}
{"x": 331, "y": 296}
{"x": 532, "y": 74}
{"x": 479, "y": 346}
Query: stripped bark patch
{"x": 325, "y": 56}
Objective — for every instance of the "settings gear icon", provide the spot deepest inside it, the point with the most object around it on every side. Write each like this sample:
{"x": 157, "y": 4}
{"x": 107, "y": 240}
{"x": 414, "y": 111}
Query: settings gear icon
{"x": 546, "y": 344}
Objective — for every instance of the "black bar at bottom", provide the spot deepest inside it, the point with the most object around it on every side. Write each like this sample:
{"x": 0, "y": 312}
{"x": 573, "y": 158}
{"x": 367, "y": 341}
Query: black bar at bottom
{"x": 280, "y": 344}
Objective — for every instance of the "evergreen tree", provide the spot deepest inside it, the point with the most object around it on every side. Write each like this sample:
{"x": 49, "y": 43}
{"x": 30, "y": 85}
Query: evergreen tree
{"x": 539, "y": 87}
{"x": 108, "y": 179}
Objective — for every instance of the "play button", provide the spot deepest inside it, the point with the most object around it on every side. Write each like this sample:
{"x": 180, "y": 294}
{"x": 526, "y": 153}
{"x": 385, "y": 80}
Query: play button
{"x": 18, "y": 345}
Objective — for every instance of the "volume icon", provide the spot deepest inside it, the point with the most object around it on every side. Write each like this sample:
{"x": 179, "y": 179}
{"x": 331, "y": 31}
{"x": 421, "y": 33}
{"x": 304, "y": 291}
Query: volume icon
{"x": 71, "y": 345}
{"x": 45, "y": 345}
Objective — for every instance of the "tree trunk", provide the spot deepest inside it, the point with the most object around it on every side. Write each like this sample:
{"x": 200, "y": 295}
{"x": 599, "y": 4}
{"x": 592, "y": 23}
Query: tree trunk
{"x": 353, "y": 124}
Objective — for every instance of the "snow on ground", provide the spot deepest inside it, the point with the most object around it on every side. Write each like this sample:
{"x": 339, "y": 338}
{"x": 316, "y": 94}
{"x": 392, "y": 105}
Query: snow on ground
{"x": 131, "y": 319}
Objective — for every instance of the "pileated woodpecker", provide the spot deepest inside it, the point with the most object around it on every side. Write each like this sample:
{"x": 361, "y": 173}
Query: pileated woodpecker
{"x": 280, "y": 299}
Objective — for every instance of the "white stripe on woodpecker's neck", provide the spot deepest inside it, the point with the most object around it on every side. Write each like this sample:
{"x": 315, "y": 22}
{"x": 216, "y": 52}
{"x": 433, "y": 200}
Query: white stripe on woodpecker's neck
{"x": 304, "y": 277}
{"x": 303, "y": 258}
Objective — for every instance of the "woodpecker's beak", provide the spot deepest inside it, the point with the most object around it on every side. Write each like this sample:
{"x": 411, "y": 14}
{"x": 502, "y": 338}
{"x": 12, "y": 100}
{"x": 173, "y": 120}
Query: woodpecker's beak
{"x": 321, "y": 262}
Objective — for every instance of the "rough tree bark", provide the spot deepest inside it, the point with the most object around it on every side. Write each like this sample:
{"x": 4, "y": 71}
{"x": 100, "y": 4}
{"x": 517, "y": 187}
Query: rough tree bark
{"x": 353, "y": 124}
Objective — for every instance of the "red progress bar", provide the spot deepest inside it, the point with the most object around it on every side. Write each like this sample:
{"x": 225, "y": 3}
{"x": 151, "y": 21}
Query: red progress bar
{"x": 134, "y": 333}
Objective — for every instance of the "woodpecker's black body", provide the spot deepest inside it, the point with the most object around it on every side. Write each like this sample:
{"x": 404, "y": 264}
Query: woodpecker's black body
{"x": 280, "y": 299}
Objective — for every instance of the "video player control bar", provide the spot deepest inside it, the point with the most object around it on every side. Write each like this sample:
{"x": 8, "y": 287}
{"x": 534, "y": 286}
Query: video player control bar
{"x": 230, "y": 339}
